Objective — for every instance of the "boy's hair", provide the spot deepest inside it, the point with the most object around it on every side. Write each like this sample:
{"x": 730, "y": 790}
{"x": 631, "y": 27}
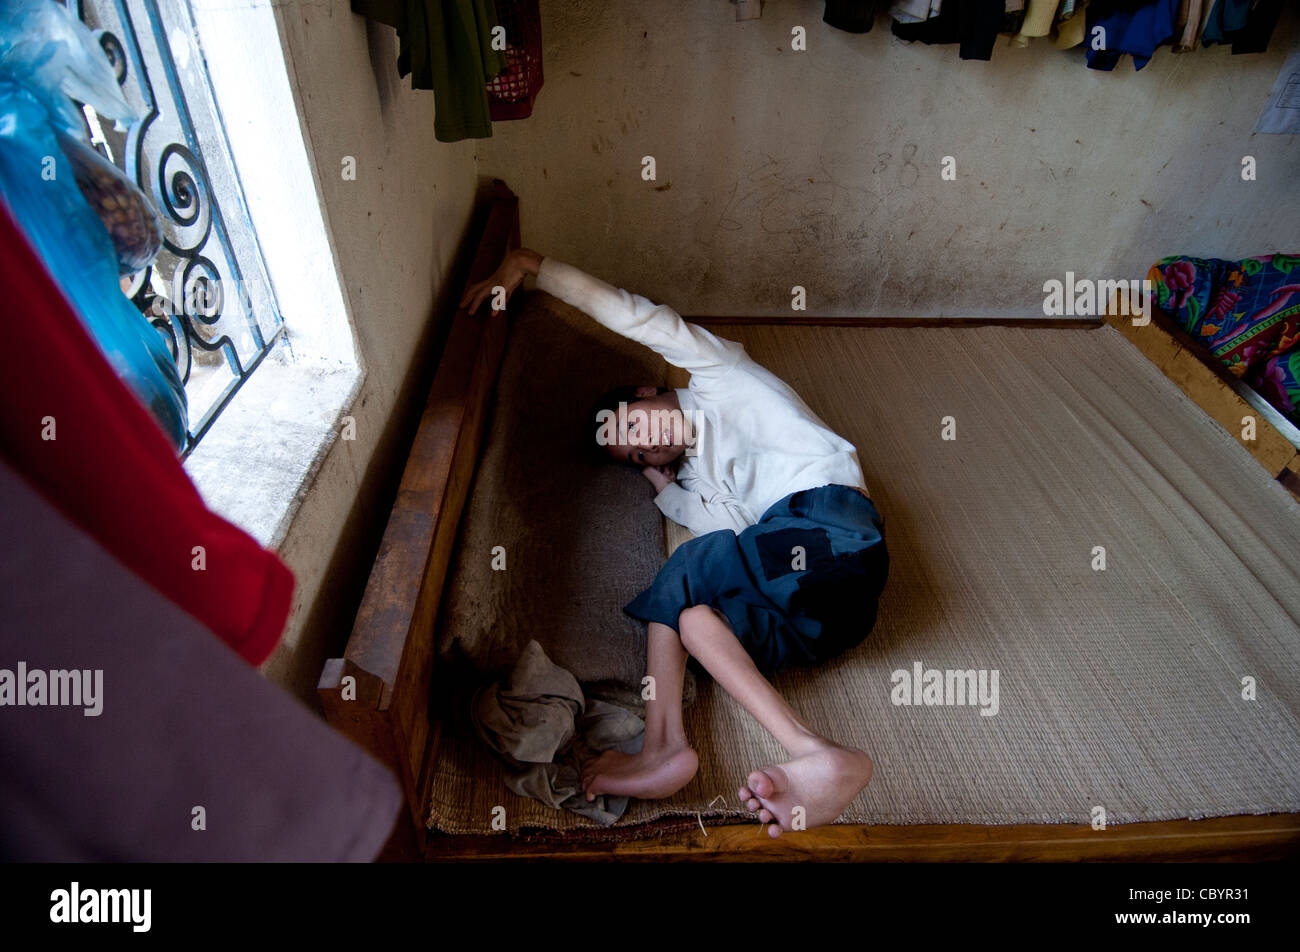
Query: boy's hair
{"x": 609, "y": 400}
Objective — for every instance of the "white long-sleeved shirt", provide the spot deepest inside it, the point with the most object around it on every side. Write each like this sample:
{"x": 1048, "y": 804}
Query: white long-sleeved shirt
{"x": 757, "y": 440}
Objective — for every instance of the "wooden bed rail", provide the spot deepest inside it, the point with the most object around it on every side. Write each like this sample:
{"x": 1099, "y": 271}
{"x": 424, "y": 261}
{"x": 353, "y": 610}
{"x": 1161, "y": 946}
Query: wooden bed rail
{"x": 1209, "y": 384}
{"x": 378, "y": 692}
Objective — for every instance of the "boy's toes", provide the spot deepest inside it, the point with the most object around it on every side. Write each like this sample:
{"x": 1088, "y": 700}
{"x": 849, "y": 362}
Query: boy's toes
{"x": 774, "y": 831}
{"x": 761, "y": 784}
{"x": 752, "y": 805}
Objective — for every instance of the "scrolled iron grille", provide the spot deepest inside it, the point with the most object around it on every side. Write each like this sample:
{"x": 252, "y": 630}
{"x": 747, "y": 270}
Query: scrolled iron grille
{"x": 214, "y": 336}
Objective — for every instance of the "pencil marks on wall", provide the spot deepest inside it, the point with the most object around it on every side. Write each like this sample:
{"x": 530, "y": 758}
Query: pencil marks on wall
{"x": 821, "y": 205}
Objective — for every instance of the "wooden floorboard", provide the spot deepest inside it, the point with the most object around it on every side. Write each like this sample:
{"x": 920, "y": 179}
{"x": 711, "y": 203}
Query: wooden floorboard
{"x": 1042, "y": 323}
{"x": 1234, "y": 838}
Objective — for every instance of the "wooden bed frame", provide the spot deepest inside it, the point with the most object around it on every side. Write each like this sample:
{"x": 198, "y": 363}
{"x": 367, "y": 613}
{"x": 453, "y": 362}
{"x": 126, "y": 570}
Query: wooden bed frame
{"x": 1216, "y": 391}
{"x": 378, "y": 693}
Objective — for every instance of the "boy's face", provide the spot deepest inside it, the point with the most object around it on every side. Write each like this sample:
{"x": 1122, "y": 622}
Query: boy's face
{"x": 651, "y": 433}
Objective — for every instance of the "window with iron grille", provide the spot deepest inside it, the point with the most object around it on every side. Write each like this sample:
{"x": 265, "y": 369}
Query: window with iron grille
{"x": 207, "y": 292}
{"x": 246, "y": 292}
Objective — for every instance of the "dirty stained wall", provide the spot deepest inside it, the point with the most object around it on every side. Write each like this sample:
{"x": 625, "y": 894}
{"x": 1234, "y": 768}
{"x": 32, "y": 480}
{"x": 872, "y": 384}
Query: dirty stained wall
{"x": 822, "y": 168}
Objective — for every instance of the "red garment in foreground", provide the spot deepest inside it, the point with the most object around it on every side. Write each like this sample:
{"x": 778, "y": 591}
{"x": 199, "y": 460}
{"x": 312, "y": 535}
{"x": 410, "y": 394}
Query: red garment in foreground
{"x": 111, "y": 470}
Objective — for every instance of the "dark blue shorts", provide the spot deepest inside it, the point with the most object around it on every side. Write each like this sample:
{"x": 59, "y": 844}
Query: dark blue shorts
{"x": 800, "y": 586}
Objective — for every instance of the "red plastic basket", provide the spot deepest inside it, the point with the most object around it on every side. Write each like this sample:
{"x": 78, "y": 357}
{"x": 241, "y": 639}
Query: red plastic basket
{"x": 512, "y": 93}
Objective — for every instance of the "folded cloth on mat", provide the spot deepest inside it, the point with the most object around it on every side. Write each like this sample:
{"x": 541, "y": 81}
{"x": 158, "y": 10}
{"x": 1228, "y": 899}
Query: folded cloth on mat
{"x": 540, "y": 724}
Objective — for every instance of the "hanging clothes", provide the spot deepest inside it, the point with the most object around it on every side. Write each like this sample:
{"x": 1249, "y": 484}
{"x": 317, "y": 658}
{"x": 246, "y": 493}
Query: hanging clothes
{"x": 851, "y": 16}
{"x": 446, "y": 46}
{"x": 79, "y": 434}
{"x": 1226, "y": 17}
{"x": 916, "y": 11}
{"x": 1014, "y": 17}
{"x": 179, "y": 752}
{"x": 1039, "y": 17}
{"x": 1254, "y": 36}
{"x": 974, "y": 24}
{"x": 1187, "y": 25}
{"x": 1137, "y": 33}
{"x": 1207, "y": 11}
{"x": 1069, "y": 32}
{"x": 1106, "y": 8}
{"x": 1246, "y": 24}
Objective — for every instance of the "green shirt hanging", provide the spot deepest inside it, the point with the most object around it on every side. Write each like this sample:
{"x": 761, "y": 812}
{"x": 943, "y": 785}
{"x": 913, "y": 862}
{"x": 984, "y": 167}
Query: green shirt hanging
{"x": 446, "y": 46}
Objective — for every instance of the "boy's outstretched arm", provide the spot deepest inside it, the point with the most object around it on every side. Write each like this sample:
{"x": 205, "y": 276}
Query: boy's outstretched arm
{"x": 657, "y": 326}
{"x": 509, "y": 275}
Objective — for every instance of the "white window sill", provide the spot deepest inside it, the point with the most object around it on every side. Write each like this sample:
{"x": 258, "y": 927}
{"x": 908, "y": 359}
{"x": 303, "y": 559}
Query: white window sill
{"x": 255, "y": 464}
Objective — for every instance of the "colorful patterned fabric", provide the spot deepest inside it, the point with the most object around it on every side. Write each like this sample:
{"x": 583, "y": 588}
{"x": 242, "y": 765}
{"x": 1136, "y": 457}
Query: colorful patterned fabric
{"x": 1247, "y": 314}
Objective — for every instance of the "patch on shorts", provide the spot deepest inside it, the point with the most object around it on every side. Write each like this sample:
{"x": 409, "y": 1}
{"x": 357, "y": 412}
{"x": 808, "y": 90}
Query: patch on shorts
{"x": 777, "y": 550}
{"x": 843, "y": 596}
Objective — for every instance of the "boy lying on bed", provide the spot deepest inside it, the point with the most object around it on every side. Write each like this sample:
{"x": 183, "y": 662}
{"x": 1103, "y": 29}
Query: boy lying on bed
{"x": 786, "y": 567}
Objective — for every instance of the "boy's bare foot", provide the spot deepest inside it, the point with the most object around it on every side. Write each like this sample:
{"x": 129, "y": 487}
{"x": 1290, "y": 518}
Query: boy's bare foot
{"x": 652, "y": 774}
{"x": 822, "y": 782}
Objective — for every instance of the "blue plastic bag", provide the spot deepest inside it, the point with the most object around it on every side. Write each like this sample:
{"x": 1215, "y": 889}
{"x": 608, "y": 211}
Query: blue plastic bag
{"x": 45, "y": 55}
